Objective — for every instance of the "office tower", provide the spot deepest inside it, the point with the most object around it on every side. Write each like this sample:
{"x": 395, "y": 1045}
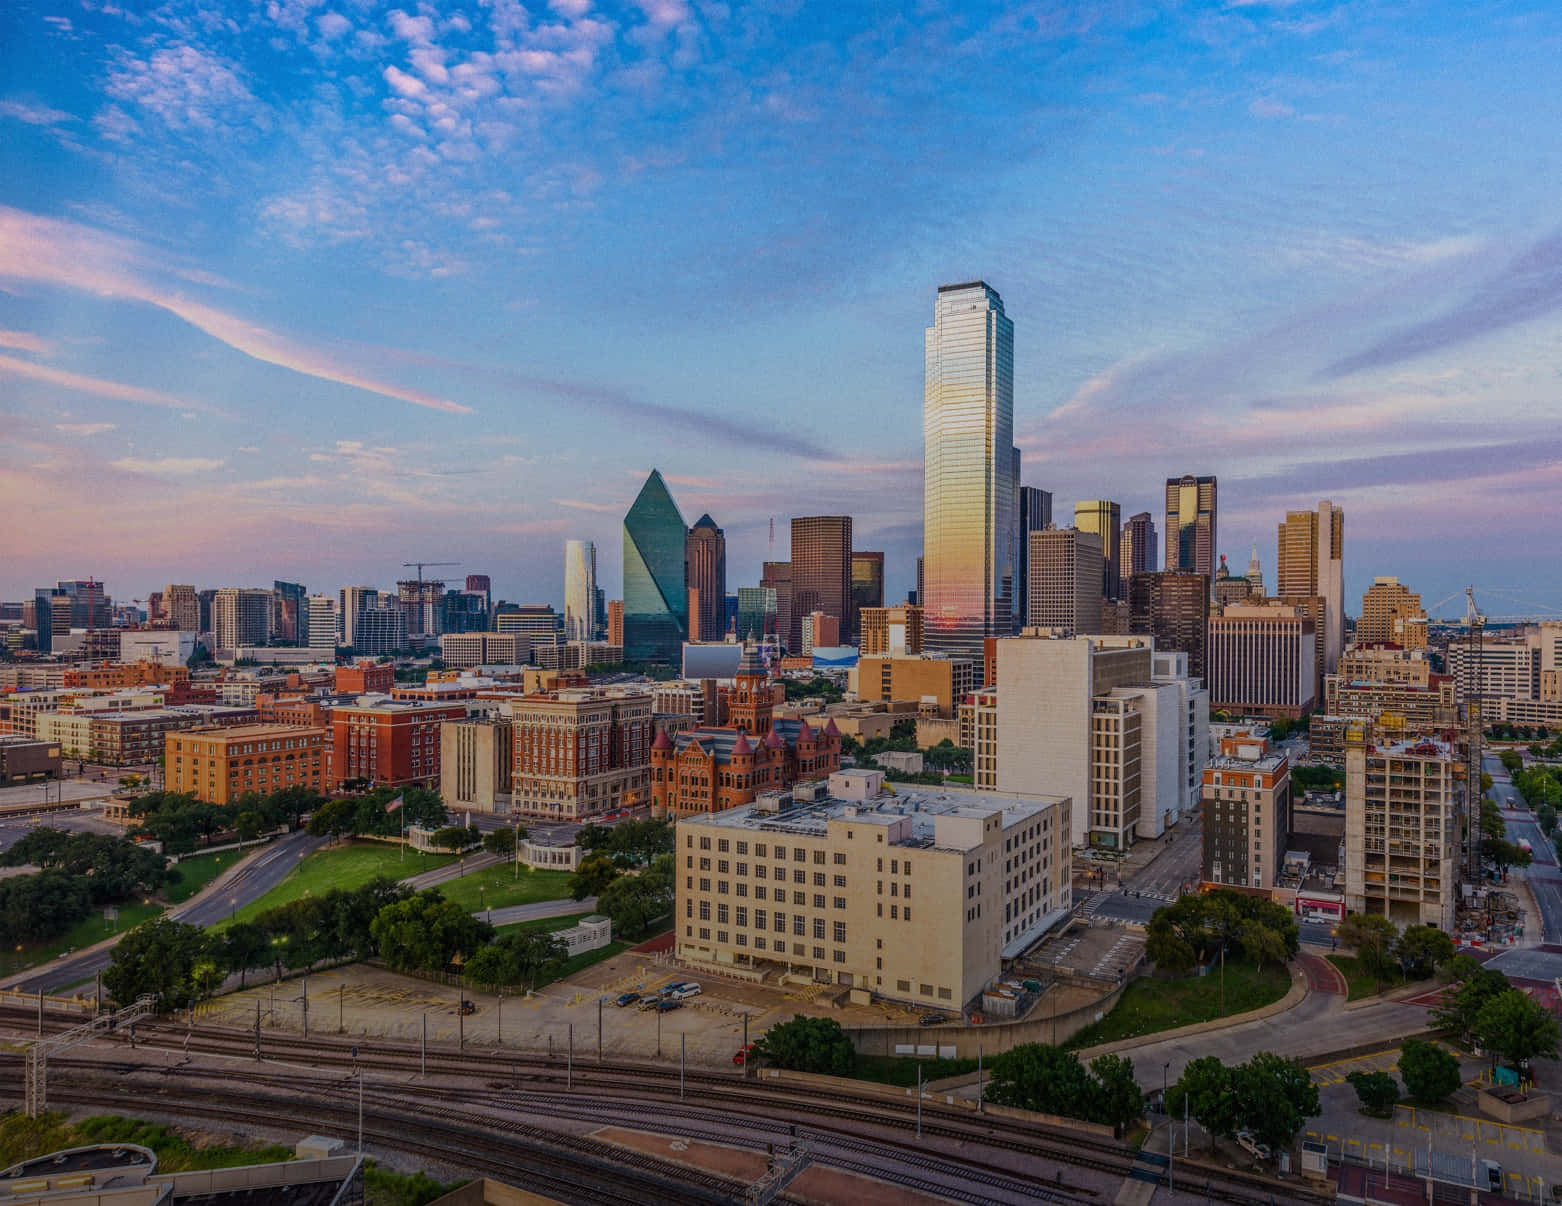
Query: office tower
{"x": 1316, "y": 610}
{"x": 1035, "y": 515}
{"x": 479, "y": 584}
{"x": 1172, "y": 607}
{"x": 90, "y": 605}
{"x": 320, "y": 615}
{"x": 1105, "y": 520}
{"x": 536, "y": 620}
{"x": 867, "y": 586}
{"x": 422, "y": 601}
{"x": 1263, "y": 660}
{"x": 1247, "y": 813}
{"x": 777, "y": 576}
{"x": 1136, "y": 549}
{"x": 1065, "y": 580}
{"x": 205, "y": 599}
{"x": 891, "y": 630}
{"x": 1255, "y": 572}
{"x": 729, "y": 614}
{"x": 968, "y": 529}
{"x": 155, "y": 613}
{"x": 1412, "y": 791}
{"x": 352, "y": 602}
{"x": 43, "y": 621}
{"x": 241, "y": 616}
{"x": 822, "y": 568}
{"x": 182, "y": 608}
{"x": 580, "y": 589}
{"x": 582, "y": 753}
{"x": 1391, "y": 612}
{"x": 615, "y": 622}
{"x": 756, "y": 613}
{"x": 287, "y": 605}
{"x": 656, "y": 595}
{"x": 820, "y": 631}
{"x": 463, "y": 611}
{"x": 381, "y": 629}
{"x": 706, "y": 558}
{"x": 1190, "y": 525}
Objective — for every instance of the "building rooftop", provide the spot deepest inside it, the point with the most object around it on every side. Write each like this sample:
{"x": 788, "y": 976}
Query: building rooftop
{"x": 1412, "y": 747}
{"x": 252, "y": 732}
{"x": 1267, "y": 762}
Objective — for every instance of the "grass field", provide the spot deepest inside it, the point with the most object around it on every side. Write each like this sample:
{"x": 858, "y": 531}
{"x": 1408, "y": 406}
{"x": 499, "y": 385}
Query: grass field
{"x": 1360, "y": 982}
{"x": 83, "y": 934}
{"x": 1151, "y": 1005}
{"x": 348, "y": 866}
{"x": 195, "y": 873}
{"x": 496, "y": 887}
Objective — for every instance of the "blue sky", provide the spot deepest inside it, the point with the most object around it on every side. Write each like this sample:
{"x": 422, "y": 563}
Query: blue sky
{"x": 304, "y": 290}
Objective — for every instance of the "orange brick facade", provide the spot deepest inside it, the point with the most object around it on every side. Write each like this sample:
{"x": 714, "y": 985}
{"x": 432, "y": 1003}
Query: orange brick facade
{"x": 127, "y": 674}
{"x": 388, "y": 744}
{"x": 581, "y": 753}
{"x": 366, "y": 677}
{"x": 219, "y": 765}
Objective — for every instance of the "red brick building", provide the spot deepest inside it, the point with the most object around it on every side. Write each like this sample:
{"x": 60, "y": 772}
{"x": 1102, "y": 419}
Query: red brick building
{"x": 366, "y": 678}
{"x": 393, "y": 743}
{"x": 580, "y": 753}
{"x": 710, "y": 769}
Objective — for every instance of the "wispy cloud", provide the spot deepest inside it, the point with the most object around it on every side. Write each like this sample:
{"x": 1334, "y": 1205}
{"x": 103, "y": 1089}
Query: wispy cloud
{"x": 102, "y": 388}
{"x": 85, "y": 429}
{"x": 173, "y": 466}
{"x": 33, "y": 115}
{"x": 576, "y": 504}
{"x": 26, "y": 341}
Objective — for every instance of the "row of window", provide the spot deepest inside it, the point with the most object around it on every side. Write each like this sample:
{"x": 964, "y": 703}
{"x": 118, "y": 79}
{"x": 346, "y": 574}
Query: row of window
{"x": 799, "y": 853}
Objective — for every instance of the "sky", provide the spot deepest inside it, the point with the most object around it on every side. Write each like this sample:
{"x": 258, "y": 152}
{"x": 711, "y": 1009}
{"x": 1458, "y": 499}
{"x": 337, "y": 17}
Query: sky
{"x": 306, "y": 289}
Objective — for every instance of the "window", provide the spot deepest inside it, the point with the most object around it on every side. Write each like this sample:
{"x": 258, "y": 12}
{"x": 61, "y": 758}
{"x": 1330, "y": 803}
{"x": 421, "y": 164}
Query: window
{"x": 903, "y": 985}
{"x": 705, "y": 933}
{"x": 925, "y": 990}
{"x": 721, "y": 887}
{"x": 721, "y": 935}
{"x": 780, "y": 926}
{"x": 840, "y": 858}
{"x": 704, "y": 910}
{"x": 819, "y": 857}
{"x": 688, "y": 908}
{"x": 799, "y": 898}
{"x": 741, "y": 918}
{"x": 741, "y": 888}
{"x": 760, "y": 919}
{"x": 759, "y": 944}
{"x": 704, "y": 885}
{"x": 838, "y": 933}
{"x": 799, "y": 949}
{"x": 799, "y": 855}
{"x": 759, "y": 870}
{"x": 945, "y": 994}
{"x": 818, "y": 879}
{"x": 705, "y": 843}
{"x": 780, "y": 851}
{"x": 705, "y": 864}
{"x": 799, "y": 877}
{"x": 818, "y": 900}
{"x": 818, "y": 952}
{"x": 742, "y": 847}
{"x": 721, "y": 914}
{"x": 759, "y": 891}
{"x": 840, "y": 881}
{"x": 840, "y": 956}
{"x": 799, "y": 925}
{"x": 759, "y": 850}
{"x": 742, "y": 868}
{"x": 721, "y": 845}
{"x": 723, "y": 867}
{"x": 840, "y": 902}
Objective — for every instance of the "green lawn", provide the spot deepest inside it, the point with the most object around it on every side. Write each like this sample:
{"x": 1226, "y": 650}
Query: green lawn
{"x": 500, "y": 887}
{"x": 902, "y": 1070}
{"x": 547, "y": 925}
{"x": 195, "y": 873}
{"x": 1150, "y": 1005}
{"x": 348, "y": 866}
{"x": 1361, "y": 984}
{"x": 83, "y": 934}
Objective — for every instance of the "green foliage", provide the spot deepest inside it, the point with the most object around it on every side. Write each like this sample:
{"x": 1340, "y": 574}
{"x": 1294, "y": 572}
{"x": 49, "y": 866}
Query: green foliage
{"x": 1119, "y": 1102}
{"x": 948, "y": 757}
{"x": 80, "y": 872}
{"x": 1505, "y": 854}
{"x": 382, "y": 1187}
{"x": 1206, "y": 1092}
{"x": 1316, "y": 778}
{"x": 797, "y": 688}
{"x": 503, "y": 841}
{"x": 1491, "y": 822}
{"x": 1460, "y": 1008}
{"x": 426, "y": 932}
{"x": 1269, "y": 1095}
{"x": 635, "y": 842}
{"x": 1036, "y": 1076}
{"x": 806, "y": 1044}
{"x": 635, "y": 902}
{"x": 1373, "y": 937}
{"x": 1517, "y": 1028}
{"x": 182, "y": 823}
{"x": 36, "y": 908}
{"x": 456, "y": 838}
{"x": 592, "y": 876}
{"x": 521, "y": 957}
{"x": 1153, "y": 1003}
{"x": 1458, "y": 969}
{"x": 1194, "y": 927}
{"x": 1378, "y": 1092}
{"x": 1421, "y": 950}
{"x": 1430, "y": 1073}
{"x": 158, "y": 957}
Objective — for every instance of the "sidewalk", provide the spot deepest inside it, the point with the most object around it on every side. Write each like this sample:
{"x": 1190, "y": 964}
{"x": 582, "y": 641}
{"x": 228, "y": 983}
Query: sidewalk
{"x": 450, "y": 871}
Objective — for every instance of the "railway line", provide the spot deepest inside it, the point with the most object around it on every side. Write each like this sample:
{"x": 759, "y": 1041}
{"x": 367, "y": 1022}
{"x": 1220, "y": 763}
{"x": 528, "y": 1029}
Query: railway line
{"x": 866, "y": 1133}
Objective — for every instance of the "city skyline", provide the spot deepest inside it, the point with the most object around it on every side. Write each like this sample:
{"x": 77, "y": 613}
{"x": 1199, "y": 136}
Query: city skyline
{"x": 330, "y": 337}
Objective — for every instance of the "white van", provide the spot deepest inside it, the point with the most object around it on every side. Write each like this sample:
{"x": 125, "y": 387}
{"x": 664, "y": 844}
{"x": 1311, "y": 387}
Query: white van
{"x": 684, "y": 991}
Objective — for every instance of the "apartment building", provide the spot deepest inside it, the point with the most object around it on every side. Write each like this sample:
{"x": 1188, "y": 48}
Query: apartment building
{"x": 463, "y": 650}
{"x": 1403, "y": 705}
{"x": 581, "y": 752}
{"x": 388, "y": 742}
{"x": 241, "y": 616}
{"x": 1402, "y": 807}
{"x": 916, "y": 897}
{"x": 220, "y": 765}
{"x": 1246, "y": 801}
{"x": 1501, "y": 668}
{"x": 132, "y": 674}
{"x": 1385, "y": 664}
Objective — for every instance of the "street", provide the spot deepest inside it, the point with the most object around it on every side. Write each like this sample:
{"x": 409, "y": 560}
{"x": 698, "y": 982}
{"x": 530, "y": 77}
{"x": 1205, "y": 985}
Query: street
{"x": 1175, "y": 869}
{"x": 1544, "y": 963}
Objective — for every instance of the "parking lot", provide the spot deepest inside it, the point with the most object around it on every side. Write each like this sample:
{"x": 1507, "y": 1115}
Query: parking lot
{"x": 1105, "y": 951}
{"x": 369, "y": 1001}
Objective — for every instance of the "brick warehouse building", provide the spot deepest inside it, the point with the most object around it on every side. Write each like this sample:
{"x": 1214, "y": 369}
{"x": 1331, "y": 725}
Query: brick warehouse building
{"x": 390, "y": 743}
{"x": 219, "y": 765}
{"x": 580, "y": 753}
{"x": 709, "y": 769}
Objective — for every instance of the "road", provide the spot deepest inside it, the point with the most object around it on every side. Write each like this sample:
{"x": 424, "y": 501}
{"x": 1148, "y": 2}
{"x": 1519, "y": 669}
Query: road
{"x": 1544, "y": 963}
{"x": 531, "y": 912}
{"x": 1176, "y": 868}
{"x": 248, "y": 882}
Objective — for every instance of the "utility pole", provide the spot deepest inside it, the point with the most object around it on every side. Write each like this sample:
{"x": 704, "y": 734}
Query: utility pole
{"x": 979, "y": 1109}
{"x": 569, "y": 1062}
{"x": 257, "y": 1030}
{"x": 341, "y": 1009}
{"x": 423, "y": 1050}
{"x": 683, "y": 1059}
{"x": 599, "y": 1030}
{"x": 919, "y": 1101}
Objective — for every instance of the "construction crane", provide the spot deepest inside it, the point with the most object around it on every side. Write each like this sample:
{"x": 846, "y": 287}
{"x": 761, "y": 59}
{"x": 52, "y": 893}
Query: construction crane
{"x": 418, "y": 565}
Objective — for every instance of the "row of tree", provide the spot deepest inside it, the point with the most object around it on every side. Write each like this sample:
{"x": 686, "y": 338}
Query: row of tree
{"x": 1194, "y": 928}
{"x": 1518, "y": 732}
{"x": 183, "y": 823}
{"x": 78, "y": 872}
{"x": 1385, "y": 953}
{"x": 1269, "y": 1095}
{"x": 1482, "y": 1007}
{"x": 629, "y": 843}
{"x": 1429, "y": 1072}
{"x": 371, "y": 814}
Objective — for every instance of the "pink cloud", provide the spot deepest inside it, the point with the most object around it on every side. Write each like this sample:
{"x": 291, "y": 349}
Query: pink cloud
{"x": 103, "y": 388}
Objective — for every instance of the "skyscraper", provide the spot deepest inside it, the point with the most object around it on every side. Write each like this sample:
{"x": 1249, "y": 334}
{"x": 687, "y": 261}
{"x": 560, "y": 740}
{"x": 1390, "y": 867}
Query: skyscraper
{"x": 1136, "y": 553}
{"x": 320, "y": 623}
{"x": 656, "y": 590}
{"x": 867, "y": 586}
{"x": 1391, "y": 611}
{"x": 822, "y": 570}
{"x": 968, "y": 493}
{"x": 1035, "y": 516}
{"x": 288, "y": 624}
{"x": 1191, "y": 543}
{"x": 706, "y": 558}
{"x": 580, "y": 590}
{"x": 1310, "y": 561}
{"x": 352, "y": 602}
{"x": 1105, "y": 519}
{"x": 1173, "y": 607}
{"x": 1065, "y": 580}
{"x": 777, "y": 576}
{"x": 241, "y": 616}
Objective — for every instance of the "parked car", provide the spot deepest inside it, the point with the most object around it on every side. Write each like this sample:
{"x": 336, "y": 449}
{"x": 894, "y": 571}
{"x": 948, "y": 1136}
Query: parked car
{"x": 627, "y": 998}
{"x": 650, "y": 1002}
{"x": 668, "y": 1004}
{"x": 672, "y": 986}
{"x": 742, "y": 1055}
{"x": 686, "y": 990}
{"x": 933, "y": 1019}
{"x": 1252, "y": 1146}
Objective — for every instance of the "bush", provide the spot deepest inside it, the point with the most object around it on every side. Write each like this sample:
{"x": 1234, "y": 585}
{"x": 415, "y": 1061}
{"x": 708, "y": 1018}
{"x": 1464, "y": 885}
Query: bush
{"x": 1378, "y": 1092}
{"x": 1430, "y": 1073}
{"x": 809, "y": 1045}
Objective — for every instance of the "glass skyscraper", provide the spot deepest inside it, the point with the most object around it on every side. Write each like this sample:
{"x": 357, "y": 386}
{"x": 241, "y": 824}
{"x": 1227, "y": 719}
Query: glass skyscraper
{"x": 968, "y": 464}
{"x": 1191, "y": 543}
{"x": 1104, "y": 518}
{"x": 656, "y": 594}
{"x": 580, "y": 590}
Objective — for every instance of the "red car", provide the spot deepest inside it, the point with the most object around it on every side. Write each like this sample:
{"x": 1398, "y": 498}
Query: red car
{"x": 740, "y": 1057}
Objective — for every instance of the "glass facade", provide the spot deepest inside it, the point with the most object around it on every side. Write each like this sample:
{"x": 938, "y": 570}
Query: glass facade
{"x": 656, "y": 597}
{"x": 969, "y": 488}
{"x": 1105, "y": 519}
{"x": 1191, "y": 543}
{"x": 756, "y": 612}
{"x": 580, "y": 590}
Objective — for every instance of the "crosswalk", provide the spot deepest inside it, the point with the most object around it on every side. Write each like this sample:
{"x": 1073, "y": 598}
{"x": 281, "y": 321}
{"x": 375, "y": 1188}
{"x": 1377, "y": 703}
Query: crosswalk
{"x": 1111, "y": 905}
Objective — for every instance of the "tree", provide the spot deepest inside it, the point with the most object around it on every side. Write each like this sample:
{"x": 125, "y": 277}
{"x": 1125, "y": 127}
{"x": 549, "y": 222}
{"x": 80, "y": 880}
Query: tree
{"x": 634, "y": 902}
{"x": 1430, "y": 1073}
{"x": 157, "y": 958}
{"x": 1373, "y": 936}
{"x": 1505, "y": 854}
{"x": 1261, "y": 944}
{"x": 1459, "y": 1008}
{"x": 1377, "y": 1091}
{"x": 1206, "y": 1091}
{"x": 456, "y": 838}
{"x": 1036, "y": 1076}
{"x": 1458, "y": 969}
{"x": 1168, "y": 950}
{"x": 1422, "y": 949}
{"x": 806, "y": 1044}
{"x": 1276, "y": 1097}
{"x": 339, "y": 818}
{"x": 1119, "y": 1102}
{"x": 426, "y": 932}
{"x": 592, "y": 876}
{"x": 520, "y": 957}
{"x": 1517, "y": 1028}
{"x": 244, "y": 945}
{"x": 503, "y": 841}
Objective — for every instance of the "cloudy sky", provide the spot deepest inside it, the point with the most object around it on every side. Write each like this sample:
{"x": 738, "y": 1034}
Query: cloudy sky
{"x": 308, "y": 288}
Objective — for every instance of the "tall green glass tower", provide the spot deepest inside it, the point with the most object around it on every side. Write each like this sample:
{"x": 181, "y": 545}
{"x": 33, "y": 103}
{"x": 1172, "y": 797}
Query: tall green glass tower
{"x": 656, "y": 595}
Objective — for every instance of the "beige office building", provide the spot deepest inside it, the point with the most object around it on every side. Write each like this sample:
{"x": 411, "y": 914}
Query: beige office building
{"x": 935, "y": 684}
{"x": 891, "y": 630}
{"x": 1402, "y": 807}
{"x": 1310, "y": 561}
{"x": 916, "y": 896}
{"x": 1391, "y": 612}
{"x": 1380, "y": 665}
{"x": 477, "y": 763}
{"x": 1066, "y": 572}
{"x": 1263, "y": 660}
{"x": 1502, "y": 668}
{"x": 182, "y": 607}
{"x": 463, "y": 650}
{"x": 241, "y": 616}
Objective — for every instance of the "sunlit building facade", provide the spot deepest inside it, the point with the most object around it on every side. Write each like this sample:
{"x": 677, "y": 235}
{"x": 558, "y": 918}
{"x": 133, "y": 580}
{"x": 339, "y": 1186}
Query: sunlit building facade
{"x": 1191, "y": 542}
{"x": 580, "y": 590}
{"x": 1310, "y": 561}
{"x": 1105, "y": 519}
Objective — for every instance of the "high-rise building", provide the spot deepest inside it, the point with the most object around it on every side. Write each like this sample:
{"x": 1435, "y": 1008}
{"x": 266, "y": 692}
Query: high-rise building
{"x": 1247, "y": 813}
{"x": 320, "y": 628}
{"x": 867, "y": 586}
{"x": 891, "y": 630}
{"x": 615, "y": 622}
{"x": 536, "y": 620}
{"x": 756, "y": 613}
{"x": 380, "y": 630}
{"x": 706, "y": 559}
{"x": 968, "y": 532}
{"x": 921, "y": 591}
{"x": 777, "y": 576}
{"x": 656, "y": 594}
{"x": 580, "y": 753}
{"x": 352, "y": 602}
{"x": 822, "y": 569}
{"x": 241, "y": 616}
{"x": 1173, "y": 607}
{"x": 1035, "y": 515}
{"x": 43, "y": 622}
{"x": 288, "y": 625}
{"x": 1263, "y": 660}
{"x": 1065, "y": 580}
{"x": 90, "y": 605}
{"x": 480, "y": 584}
{"x": 422, "y": 604}
{"x": 1105, "y": 520}
{"x": 820, "y": 631}
{"x": 936, "y": 684}
{"x": 580, "y": 590}
{"x": 1191, "y": 542}
{"x": 1255, "y": 572}
{"x": 182, "y": 608}
{"x": 1136, "y": 548}
{"x": 1391, "y": 612}
{"x": 206, "y": 598}
{"x": 1229, "y": 589}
